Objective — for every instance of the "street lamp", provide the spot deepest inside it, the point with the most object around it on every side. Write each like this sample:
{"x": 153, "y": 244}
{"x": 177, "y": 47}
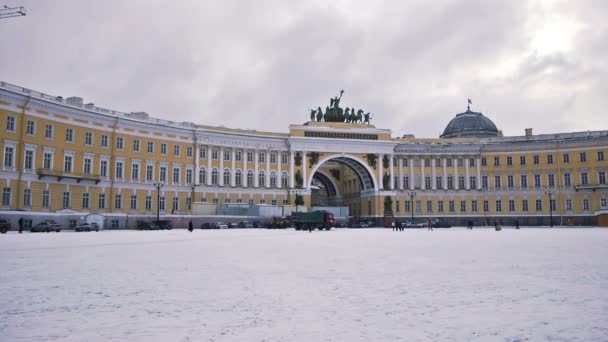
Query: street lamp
{"x": 550, "y": 193}
{"x": 158, "y": 186}
{"x": 412, "y": 194}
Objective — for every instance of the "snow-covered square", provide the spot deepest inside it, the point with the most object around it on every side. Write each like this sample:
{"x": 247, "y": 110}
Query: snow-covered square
{"x": 284, "y": 285}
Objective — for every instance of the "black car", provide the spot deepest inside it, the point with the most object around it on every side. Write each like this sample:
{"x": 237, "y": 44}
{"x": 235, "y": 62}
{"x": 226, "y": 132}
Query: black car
{"x": 87, "y": 227}
{"x": 5, "y": 226}
{"x": 210, "y": 225}
{"x": 143, "y": 225}
{"x": 245, "y": 224}
{"x": 440, "y": 224}
{"x": 165, "y": 224}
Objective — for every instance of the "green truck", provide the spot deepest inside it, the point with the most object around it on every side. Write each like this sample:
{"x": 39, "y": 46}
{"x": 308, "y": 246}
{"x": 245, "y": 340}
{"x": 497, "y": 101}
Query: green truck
{"x": 319, "y": 219}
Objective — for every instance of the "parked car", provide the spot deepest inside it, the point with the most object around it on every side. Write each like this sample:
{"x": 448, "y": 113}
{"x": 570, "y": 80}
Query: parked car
{"x": 86, "y": 227}
{"x": 233, "y": 225}
{"x": 165, "y": 224}
{"x": 221, "y": 225}
{"x": 54, "y": 225}
{"x": 42, "y": 227}
{"x": 408, "y": 224}
{"x": 5, "y": 226}
{"x": 209, "y": 225}
{"x": 95, "y": 226}
{"x": 360, "y": 224}
{"x": 441, "y": 224}
{"x": 245, "y": 224}
{"x": 143, "y": 225}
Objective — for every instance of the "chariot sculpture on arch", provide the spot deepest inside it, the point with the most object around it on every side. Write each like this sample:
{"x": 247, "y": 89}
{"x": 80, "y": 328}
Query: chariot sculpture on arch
{"x": 335, "y": 113}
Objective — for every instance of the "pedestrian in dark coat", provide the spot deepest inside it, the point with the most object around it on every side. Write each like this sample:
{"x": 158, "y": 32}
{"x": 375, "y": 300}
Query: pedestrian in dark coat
{"x": 430, "y": 225}
{"x": 516, "y": 224}
{"x": 20, "y": 225}
{"x": 190, "y": 227}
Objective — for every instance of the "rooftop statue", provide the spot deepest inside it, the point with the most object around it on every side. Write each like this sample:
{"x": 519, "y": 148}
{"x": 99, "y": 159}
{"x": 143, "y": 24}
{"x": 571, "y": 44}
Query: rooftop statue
{"x": 335, "y": 113}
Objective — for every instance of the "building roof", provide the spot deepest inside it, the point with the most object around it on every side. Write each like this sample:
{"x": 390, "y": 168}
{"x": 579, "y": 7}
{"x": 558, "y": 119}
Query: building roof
{"x": 470, "y": 125}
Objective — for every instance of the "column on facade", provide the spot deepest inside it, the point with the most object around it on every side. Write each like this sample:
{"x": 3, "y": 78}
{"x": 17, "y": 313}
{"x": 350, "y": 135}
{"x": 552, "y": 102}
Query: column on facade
{"x": 245, "y": 168}
{"x": 209, "y": 154}
{"x": 279, "y": 169}
{"x": 221, "y": 173}
{"x": 422, "y": 182}
{"x": 304, "y": 169}
{"x": 445, "y": 173}
{"x": 268, "y": 168}
{"x": 380, "y": 173}
{"x": 478, "y": 180}
{"x": 292, "y": 176}
{"x": 391, "y": 172}
{"x": 467, "y": 181}
{"x": 400, "y": 161}
{"x": 233, "y": 171}
{"x": 411, "y": 176}
{"x": 456, "y": 173}
{"x": 197, "y": 165}
{"x": 256, "y": 169}
{"x": 433, "y": 174}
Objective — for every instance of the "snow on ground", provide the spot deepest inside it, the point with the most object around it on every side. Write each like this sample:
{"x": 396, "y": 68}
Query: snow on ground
{"x": 285, "y": 285}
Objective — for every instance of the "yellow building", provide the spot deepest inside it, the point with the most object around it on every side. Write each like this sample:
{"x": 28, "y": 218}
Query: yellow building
{"x": 65, "y": 157}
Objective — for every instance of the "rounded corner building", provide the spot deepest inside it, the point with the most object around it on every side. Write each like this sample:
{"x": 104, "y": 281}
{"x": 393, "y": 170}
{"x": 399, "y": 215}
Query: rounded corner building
{"x": 72, "y": 161}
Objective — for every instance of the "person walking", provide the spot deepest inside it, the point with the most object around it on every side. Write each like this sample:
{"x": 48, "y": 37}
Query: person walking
{"x": 430, "y": 225}
{"x": 21, "y": 225}
{"x": 190, "y": 226}
{"x": 516, "y": 224}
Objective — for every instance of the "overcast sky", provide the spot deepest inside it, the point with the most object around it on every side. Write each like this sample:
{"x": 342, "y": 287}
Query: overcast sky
{"x": 262, "y": 64}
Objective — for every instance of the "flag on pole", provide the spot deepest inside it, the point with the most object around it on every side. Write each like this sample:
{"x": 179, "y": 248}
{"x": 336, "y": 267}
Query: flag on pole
{"x": 470, "y": 102}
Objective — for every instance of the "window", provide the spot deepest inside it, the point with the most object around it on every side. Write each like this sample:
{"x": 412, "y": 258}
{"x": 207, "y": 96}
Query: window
{"x": 133, "y": 202}
{"x": 584, "y": 178}
{"x": 437, "y": 162}
{"x": 524, "y": 181}
{"x": 189, "y": 151}
{"x": 202, "y": 153}
{"x": 284, "y": 158}
{"x": 522, "y": 160}
{"x": 486, "y": 206}
{"x": 175, "y": 206}
{"x": 437, "y": 180}
{"x": 202, "y": 175}
{"x": 461, "y": 184}
{"x": 600, "y": 156}
{"x": 163, "y": 174}
{"x": 552, "y": 204}
{"x": 463, "y": 206}
{"x": 539, "y": 205}
{"x": 273, "y": 158}
{"x": 226, "y": 155}
{"x": 69, "y": 135}
{"x": 473, "y": 182}
{"x": 149, "y": 173}
{"x": 510, "y": 183}
{"x": 263, "y": 201}
{"x": 30, "y": 128}
{"x": 427, "y": 182}
{"x": 427, "y": 162}
{"x": 429, "y": 206}
{"x": 87, "y": 166}
{"x": 496, "y": 161}
{"x": 537, "y": 182}
{"x": 497, "y": 184}
{"x": 397, "y": 207}
{"x": 586, "y": 204}
{"x": 188, "y": 176}
{"x": 47, "y": 160}
{"x": 406, "y": 182}
{"x": 238, "y": 178}
{"x": 66, "y": 200}
{"x": 273, "y": 179}
{"x": 509, "y": 161}
{"x": 161, "y": 203}
{"x": 10, "y": 123}
{"x": 214, "y": 177}
{"x": 567, "y": 180}
{"x": 551, "y": 180}
{"x": 163, "y": 148}
{"x": 48, "y": 131}
{"x": 46, "y": 199}
{"x": 583, "y": 157}
{"x": 250, "y": 157}
{"x": 273, "y": 202}
{"x": 285, "y": 179}
{"x": 460, "y": 162}
{"x": 498, "y": 205}
{"x": 176, "y": 150}
{"x": 439, "y": 206}
{"x": 88, "y": 138}
{"x": 536, "y": 160}
{"x": 176, "y": 172}
{"x": 27, "y": 198}
{"x": 474, "y": 206}
{"x": 471, "y": 161}
{"x": 451, "y": 206}
{"x": 67, "y": 163}
{"x": 566, "y": 158}
{"x": 120, "y": 141}
{"x": 484, "y": 182}
{"x": 407, "y": 206}
{"x": 104, "y": 141}
{"x": 148, "y": 203}
{"x": 6, "y": 197}
{"x": 135, "y": 172}
{"x": 250, "y": 178}
{"x": 603, "y": 202}
{"x": 405, "y": 162}
{"x": 262, "y": 157}
{"x": 601, "y": 175}
{"x": 484, "y": 161}
{"x": 29, "y": 160}
{"x": 226, "y": 177}
{"x": 549, "y": 159}
{"x": 450, "y": 182}
{"x": 261, "y": 178}
{"x": 118, "y": 201}
{"x": 102, "y": 201}
{"x": 85, "y": 200}
{"x": 119, "y": 168}
{"x": 448, "y": 162}
{"x": 524, "y": 205}
{"x": 136, "y": 145}
{"x": 150, "y": 147}
{"x": 569, "y": 204}
{"x": 239, "y": 156}
{"x": 511, "y": 205}
{"x": 250, "y": 202}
